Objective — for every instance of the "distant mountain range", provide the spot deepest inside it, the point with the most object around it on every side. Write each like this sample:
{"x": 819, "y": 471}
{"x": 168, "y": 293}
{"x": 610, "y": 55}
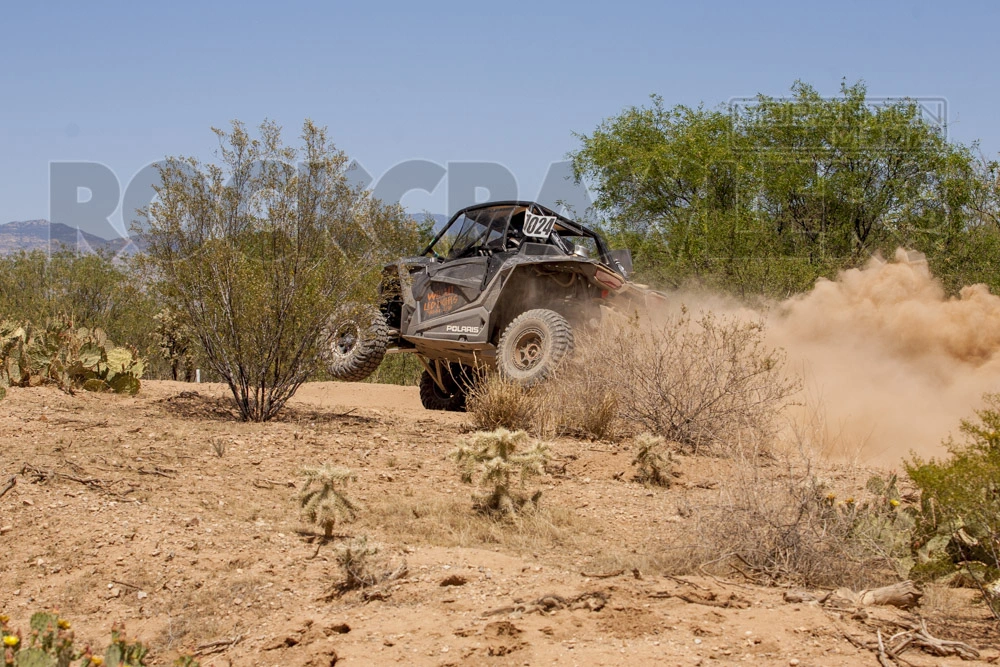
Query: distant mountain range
{"x": 31, "y": 235}
{"x": 28, "y": 235}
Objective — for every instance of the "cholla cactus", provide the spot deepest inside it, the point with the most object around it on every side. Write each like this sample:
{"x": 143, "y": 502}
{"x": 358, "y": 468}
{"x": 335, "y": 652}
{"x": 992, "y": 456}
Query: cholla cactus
{"x": 176, "y": 342}
{"x": 492, "y": 457}
{"x": 323, "y": 500}
{"x": 653, "y": 460}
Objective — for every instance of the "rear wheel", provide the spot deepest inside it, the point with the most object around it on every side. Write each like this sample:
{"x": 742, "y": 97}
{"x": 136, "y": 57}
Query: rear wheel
{"x": 433, "y": 397}
{"x": 533, "y": 345}
{"x": 355, "y": 340}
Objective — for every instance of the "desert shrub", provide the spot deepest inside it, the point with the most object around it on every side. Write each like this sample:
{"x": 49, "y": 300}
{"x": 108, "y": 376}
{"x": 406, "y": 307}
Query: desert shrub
{"x": 322, "y": 497}
{"x": 652, "y": 460}
{"x": 492, "y": 460}
{"x": 497, "y": 402}
{"x": 258, "y": 252}
{"x": 578, "y": 402}
{"x": 51, "y": 644}
{"x": 356, "y": 559}
{"x": 176, "y": 345}
{"x": 958, "y": 526}
{"x": 568, "y": 403}
{"x": 67, "y": 357}
{"x": 777, "y": 522}
{"x": 704, "y": 383}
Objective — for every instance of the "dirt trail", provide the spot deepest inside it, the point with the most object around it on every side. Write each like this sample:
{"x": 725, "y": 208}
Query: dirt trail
{"x": 164, "y": 512}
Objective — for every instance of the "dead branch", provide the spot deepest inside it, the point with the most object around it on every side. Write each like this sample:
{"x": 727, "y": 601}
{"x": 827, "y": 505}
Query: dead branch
{"x": 883, "y": 659}
{"x": 41, "y": 475}
{"x": 679, "y": 580}
{"x": 904, "y": 595}
{"x": 218, "y": 646}
{"x": 608, "y": 575}
{"x": 10, "y": 485}
{"x": 709, "y": 599}
{"x": 889, "y": 652}
{"x": 159, "y": 472}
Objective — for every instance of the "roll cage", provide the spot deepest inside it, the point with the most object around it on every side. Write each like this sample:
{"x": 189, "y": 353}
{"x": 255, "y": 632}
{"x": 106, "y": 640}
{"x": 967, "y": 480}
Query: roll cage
{"x": 499, "y": 226}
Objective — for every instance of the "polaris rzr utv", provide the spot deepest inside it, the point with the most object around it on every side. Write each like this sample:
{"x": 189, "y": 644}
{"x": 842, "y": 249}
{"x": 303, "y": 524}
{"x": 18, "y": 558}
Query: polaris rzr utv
{"x": 503, "y": 285}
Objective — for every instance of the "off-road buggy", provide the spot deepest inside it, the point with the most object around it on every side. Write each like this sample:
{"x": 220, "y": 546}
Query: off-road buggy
{"x": 503, "y": 285}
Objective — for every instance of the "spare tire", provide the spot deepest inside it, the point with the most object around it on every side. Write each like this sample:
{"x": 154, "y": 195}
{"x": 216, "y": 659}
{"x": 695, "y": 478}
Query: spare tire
{"x": 533, "y": 345}
{"x": 452, "y": 398}
{"x": 354, "y": 342}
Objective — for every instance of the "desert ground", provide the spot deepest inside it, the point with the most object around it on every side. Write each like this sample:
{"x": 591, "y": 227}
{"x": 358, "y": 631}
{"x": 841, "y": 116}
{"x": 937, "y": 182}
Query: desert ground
{"x": 164, "y": 512}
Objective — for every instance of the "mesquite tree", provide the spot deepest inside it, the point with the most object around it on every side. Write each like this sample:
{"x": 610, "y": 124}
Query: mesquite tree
{"x": 258, "y": 248}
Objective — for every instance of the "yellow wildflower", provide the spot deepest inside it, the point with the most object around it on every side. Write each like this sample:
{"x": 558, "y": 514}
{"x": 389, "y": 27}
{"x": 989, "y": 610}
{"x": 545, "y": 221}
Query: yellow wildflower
{"x": 96, "y": 660}
{"x": 894, "y": 502}
{"x": 11, "y": 640}
{"x": 63, "y": 624}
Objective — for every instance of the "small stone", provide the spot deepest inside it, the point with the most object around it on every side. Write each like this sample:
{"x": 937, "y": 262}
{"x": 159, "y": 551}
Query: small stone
{"x": 6, "y": 529}
{"x": 697, "y": 641}
{"x": 142, "y": 595}
{"x": 116, "y": 592}
{"x": 793, "y": 662}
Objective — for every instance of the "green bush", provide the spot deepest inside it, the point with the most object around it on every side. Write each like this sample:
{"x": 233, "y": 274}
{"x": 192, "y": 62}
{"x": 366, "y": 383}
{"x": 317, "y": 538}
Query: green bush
{"x": 958, "y": 526}
{"x": 257, "y": 255}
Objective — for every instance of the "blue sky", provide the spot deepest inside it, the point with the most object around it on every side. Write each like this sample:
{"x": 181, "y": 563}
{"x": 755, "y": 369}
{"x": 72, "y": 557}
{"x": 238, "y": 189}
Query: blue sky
{"x": 124, "y": 84}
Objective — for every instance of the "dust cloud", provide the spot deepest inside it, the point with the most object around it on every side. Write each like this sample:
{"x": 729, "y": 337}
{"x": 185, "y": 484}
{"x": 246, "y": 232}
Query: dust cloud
{"x": 890, "y": 363}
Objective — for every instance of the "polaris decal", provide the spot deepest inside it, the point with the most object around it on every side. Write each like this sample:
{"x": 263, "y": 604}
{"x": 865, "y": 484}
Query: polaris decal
{"x": 452, "y": 328}
{"x": 538, "y": 226}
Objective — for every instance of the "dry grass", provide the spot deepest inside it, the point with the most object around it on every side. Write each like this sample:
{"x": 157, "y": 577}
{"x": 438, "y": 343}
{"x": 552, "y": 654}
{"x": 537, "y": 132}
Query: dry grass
{"x": 497, "y": 402}
{"x": 705, "y": 384}
{"x": 455, "y": 523}
{"x": 776, "y": 521}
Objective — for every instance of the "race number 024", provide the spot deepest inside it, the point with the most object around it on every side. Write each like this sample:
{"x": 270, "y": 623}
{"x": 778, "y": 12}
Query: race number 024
{"x": 538, "y": 226}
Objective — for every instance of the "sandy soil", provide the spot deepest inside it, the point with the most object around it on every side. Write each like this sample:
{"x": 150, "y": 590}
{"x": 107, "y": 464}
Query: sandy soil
{"x": 165, "y": 513}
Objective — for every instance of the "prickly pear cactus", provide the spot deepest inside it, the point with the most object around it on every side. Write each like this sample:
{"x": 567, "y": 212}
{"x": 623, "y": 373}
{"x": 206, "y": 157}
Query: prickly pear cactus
{"x": 70, "y": 358}
{"x": 34, "y": 657}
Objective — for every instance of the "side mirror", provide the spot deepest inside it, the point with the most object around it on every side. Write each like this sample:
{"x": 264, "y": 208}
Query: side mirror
{"x": 623, "y": 259}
